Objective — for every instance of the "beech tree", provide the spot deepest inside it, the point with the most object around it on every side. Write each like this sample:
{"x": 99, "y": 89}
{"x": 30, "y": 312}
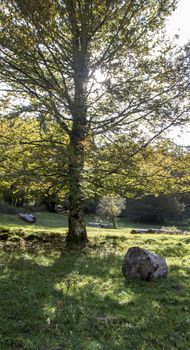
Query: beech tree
{"x": 52, "y": 54}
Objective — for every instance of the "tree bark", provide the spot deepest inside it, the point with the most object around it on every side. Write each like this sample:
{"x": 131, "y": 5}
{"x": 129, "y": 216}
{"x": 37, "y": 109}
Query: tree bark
{"x": 77, "y": 230}
{"x": 76, "y": 221}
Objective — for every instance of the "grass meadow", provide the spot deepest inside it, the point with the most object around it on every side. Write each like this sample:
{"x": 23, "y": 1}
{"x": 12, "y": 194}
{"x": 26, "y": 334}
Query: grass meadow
{"x": 54, "y": 296}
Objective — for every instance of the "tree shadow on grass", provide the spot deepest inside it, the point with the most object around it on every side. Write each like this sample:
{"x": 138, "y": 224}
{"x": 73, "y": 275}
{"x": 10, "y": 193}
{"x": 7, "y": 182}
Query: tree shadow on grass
{"x": 78, "y": 300}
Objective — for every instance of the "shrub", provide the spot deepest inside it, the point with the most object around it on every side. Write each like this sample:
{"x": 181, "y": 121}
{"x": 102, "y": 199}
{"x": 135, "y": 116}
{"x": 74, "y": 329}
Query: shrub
{"x": 6, "y": 208}
{"x": 111, "y": 207}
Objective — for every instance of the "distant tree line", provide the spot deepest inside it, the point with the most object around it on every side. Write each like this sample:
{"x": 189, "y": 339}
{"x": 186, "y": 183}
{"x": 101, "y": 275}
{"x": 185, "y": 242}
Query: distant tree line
{"x": 154, "y": 180}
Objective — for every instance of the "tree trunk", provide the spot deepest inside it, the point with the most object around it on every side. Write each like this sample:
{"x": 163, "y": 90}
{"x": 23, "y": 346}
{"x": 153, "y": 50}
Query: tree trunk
{"x": 114, "y": 221}
{"x": 78, "y": 107}
{"x": 76, "y": 222}
{"x": 77, "y": 230}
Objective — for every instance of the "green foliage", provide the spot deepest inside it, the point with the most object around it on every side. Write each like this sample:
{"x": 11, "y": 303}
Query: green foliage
{"x": 111, "y": 207}
{"x": 34, "y": 165}
{"x": 34, "y": 161}
{"x": 54, "y": 296}
{"x": 160, "y": 209}
{"x": 126, "y": 168}
{"x": 6, "y": 208}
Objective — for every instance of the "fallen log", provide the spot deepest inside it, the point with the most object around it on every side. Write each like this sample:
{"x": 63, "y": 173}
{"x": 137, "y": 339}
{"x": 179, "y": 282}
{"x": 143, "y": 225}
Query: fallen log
{"x": 106, "y": 226}
{"x": 155, "y": 230}
{"x": 94, "y": 224}
{"x": 100, "y": 225}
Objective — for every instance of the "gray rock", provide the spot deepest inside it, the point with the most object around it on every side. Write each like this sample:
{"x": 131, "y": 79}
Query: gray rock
{"x": 28, "y": 218}
{"x": 143, "y": 264}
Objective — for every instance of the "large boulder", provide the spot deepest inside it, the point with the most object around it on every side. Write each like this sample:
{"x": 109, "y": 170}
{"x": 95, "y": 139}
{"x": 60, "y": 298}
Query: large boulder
{"x": 143, "y": 264}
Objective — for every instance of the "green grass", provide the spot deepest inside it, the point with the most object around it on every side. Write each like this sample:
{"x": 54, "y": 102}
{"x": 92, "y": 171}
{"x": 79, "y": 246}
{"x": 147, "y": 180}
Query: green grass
{"x": 53, "y": 222}
{"x": 45, "y": 221}
{"x": 56, "y": 296}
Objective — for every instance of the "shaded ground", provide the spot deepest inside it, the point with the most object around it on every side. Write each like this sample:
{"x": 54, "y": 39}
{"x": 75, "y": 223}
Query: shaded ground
{"x": 57, "y": 296}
